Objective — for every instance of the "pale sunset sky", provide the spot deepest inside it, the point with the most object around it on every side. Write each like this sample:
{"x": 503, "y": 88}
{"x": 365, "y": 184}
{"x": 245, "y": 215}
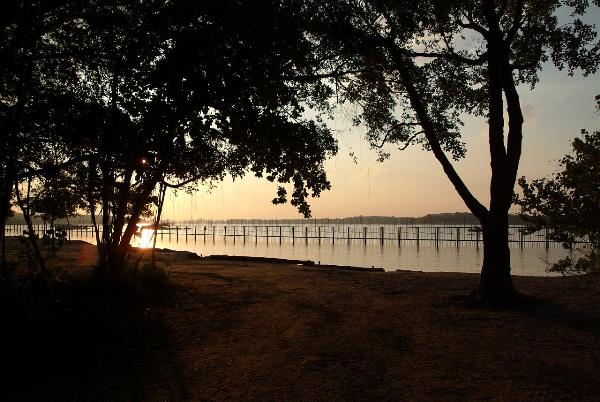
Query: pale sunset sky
{"x": 411, "y": 182}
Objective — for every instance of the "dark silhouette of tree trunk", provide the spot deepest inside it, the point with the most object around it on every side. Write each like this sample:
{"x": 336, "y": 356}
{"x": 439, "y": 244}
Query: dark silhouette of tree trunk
{"x": 31, "y": 235}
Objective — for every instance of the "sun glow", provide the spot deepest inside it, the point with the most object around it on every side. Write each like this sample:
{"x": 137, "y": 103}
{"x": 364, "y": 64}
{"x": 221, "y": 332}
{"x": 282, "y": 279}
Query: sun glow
{"x": 146, "y": 238}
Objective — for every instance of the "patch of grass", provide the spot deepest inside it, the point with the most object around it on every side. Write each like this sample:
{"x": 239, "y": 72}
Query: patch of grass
{"x": 148, "y": 276}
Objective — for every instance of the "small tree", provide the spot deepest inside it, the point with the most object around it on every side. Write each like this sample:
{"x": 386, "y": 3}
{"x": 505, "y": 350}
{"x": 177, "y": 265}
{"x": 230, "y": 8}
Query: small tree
{"x": 54, "y": 199}
{"x": 568, "y": 204}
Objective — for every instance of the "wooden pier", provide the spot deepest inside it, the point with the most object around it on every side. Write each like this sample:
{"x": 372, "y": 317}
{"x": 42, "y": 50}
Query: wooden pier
{"x": 437, "y": 236}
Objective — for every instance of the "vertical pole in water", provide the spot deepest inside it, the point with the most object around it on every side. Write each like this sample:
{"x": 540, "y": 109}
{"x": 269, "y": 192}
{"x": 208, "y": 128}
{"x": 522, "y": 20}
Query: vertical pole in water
{"x": 233, "y": 234}
{"x": 477, "y": 237}
{"x": 365, "y": 234}
{"x": 213, "y": 233}
{"x": 195, "y": 233}
{"x": 381, "y": 234}
{"x": 244, "y": 233}
{"x": 319, "y": 230}
{"x": 418, "y": 235}
{"x": 169, "y": 232}
{"x": 255, "y": 234}
{"x": 279, "y": 234}
{"x": 176, "y": 233}
{"x": 457, "y": 237}
{"x": 333, "y": 235}
{"x": 521, "y": 238}
{"x": 348, "y": 236}
{"x": 267, "y": 235}
{"x": 546, "y": 238}
{"x": 225, "y": 233}
{"x": 306, "y": 234}
{"x": 204, "y": 233}
{"x": 186, "y": 233}
{"x": 437, "y": 236}
{"x": 293, "y": 236}
{"x": 399, "y": 235}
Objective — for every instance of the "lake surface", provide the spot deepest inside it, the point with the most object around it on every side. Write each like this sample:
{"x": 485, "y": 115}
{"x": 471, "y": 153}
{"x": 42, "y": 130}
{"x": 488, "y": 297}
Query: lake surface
{"x": 391, "y": 255}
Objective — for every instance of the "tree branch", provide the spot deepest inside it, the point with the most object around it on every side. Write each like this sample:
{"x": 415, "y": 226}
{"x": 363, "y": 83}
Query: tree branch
{"x": 517, "y": 23}
{"x": 452, "y": 56}
{"x": 430, "y": 133}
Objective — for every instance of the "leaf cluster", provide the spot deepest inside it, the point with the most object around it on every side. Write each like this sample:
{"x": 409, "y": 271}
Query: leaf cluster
{"x": 568, "y": 203}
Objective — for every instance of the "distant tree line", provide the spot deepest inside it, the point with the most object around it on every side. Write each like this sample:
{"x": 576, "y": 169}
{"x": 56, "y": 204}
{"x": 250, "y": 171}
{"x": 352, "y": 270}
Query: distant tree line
{"x": 448, "y": 218}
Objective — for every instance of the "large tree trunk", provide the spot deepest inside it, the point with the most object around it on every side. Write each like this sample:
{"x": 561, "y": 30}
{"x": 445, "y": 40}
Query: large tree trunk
{"x": 495, "y": 286}
{"x": 118, "y": 252}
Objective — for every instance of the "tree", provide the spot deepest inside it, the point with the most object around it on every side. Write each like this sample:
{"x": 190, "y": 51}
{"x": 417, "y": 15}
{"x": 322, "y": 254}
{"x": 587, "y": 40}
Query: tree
{"x": 416, "y": 68}
{"x": 181, "y": 92}
{"x": 567, "y": 204}
{"x": 31, "y": 66}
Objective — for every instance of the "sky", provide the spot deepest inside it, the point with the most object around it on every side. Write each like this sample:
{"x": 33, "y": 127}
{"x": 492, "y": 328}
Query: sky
{"x": 412, "y": 182}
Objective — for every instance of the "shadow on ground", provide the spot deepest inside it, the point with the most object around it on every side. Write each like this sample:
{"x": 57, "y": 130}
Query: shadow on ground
{"x": 80, "y": 342}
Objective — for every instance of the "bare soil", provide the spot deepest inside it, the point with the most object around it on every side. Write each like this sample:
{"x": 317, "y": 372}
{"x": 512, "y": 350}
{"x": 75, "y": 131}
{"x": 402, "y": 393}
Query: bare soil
{"x": 246, "y": 331}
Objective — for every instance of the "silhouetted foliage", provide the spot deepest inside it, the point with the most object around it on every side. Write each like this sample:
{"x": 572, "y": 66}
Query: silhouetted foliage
{"x": 142, "y": 95}
{"x": 416, "y": 68}
{"x": 567, "y": 204}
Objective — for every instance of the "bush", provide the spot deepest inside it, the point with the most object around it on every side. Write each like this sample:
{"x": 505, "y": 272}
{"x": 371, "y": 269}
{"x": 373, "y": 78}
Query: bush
{"x": 153, "y": 276}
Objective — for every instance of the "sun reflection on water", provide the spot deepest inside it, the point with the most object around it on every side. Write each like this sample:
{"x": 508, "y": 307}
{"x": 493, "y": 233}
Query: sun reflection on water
{"x": 146, "y": 237}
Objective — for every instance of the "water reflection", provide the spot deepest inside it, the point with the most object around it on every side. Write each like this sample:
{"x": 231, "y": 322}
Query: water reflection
{"x": 389, "y": 255}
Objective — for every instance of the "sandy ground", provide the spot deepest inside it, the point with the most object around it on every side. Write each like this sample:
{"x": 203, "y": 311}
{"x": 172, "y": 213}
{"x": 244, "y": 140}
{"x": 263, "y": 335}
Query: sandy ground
{"x": 240, "y": 330}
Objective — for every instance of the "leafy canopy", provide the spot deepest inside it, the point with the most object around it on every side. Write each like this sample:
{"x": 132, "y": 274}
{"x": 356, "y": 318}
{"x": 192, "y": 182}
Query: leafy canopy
{"x": 568, "y": 203}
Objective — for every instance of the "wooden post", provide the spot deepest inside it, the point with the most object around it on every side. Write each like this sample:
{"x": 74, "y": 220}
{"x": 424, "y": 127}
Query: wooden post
{"x": 293, "y": 236}
{"x": 176, "y": 233}
{"x": 279, "y": 234}
{"x": 546, "y": 239}
{"x": 365, "y": 234}
{"x": 225, "y": 233}
{"x": 437, "y": 236}
{"x": 399, "y": 235}
{"x": 244, "y": 233}
{"x": 233, "y": 234}
{"x": 186, "y": 232}
{"x": 457, "y": 237}
{"x": 381, "y": 229}
{"x": 348, "y": 236}
{"x": 333, "y": 235}
{"x": 195, "y": 233}
{"x": 477, "y": 237}
{"x": 521, "y": 238}
{"x": 267, "y": 235}
{"x": 306, "y": 234}
{"x": 256, "y": 234}
{"x": 213, "y": 233}
{"x": 319, "y": 231}
{"x": 418, "y": 235}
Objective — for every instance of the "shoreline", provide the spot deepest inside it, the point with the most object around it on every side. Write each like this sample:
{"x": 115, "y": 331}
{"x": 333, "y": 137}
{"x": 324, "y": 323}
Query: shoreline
{"x": 276, "y": 260}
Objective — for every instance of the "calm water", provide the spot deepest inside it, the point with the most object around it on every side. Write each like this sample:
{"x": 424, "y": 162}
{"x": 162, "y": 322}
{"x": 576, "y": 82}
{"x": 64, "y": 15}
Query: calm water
{"x": 530, "y": 260}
